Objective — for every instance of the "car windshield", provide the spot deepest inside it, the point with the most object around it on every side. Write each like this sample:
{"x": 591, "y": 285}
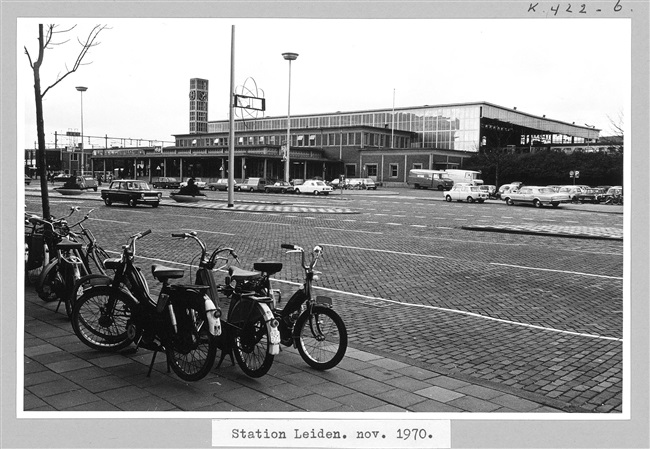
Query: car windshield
{"x": 138, "y": 185}
{"x": 475, "y": 189}
{"x": 319, "y": 183}
{"x": 546, "y": 190}
{"x": 565, "y": 189}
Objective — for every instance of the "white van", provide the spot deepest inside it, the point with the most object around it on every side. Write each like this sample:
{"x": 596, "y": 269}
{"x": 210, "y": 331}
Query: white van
{"x": 429, "y": 179}
{"x": 472, "y": 177}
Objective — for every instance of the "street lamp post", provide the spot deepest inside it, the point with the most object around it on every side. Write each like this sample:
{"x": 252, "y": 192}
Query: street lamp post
{"x": 289, "y": 57}
{"x": 82, "y": 89}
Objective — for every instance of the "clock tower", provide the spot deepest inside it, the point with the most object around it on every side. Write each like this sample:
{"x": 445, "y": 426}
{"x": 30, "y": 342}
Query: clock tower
{"x": 198, "y": 106}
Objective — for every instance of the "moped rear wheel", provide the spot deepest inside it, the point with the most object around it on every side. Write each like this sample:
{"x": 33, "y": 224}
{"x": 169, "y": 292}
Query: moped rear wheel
{"x": 191, "y": 350}
{"x": 100, "y": 318}
{"x": 251, "y": 338}
{"x": 321, "y": 337}
{"x": 80, "y": 286}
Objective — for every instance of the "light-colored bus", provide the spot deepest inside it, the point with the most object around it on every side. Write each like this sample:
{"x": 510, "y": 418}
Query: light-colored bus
{"x": 429, "y": 179}
{"x": 472, "y": 177}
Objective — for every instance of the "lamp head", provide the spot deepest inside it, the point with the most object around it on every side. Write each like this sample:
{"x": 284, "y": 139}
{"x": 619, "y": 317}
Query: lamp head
{"x": 290, "y": 56}
{"x": 81, "y": 88}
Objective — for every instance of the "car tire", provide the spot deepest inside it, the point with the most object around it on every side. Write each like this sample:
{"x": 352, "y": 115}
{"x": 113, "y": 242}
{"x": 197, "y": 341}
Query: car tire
{"x": 448, "y": 198}
{"x": 155, "y": 205}
{"x": 95, "y": 188}
{"x": 537, "y": 203}
{"x": 266, "y": 190}
{"x": 509, "y": 202}
{"x": 470, "y": 199}
{"x": 213, "y": 188}
{"x": 555, "y": 204}
{"x": 316, "y": 192}
{"x": 297, "y": 190}
{"x": 284, "y": 190}
{"x": 132, "y": 202}
{"x": 481, "y": 201}
{"x": 108, "y": 201}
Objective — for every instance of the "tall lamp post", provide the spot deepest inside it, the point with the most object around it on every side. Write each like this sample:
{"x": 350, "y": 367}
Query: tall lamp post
{"x": 289, "y": 57}
{"x": 82, "y": 89}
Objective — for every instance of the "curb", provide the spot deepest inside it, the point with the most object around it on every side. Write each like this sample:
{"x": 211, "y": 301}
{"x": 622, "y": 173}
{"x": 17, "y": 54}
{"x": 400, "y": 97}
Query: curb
{"x": 509, "y": 230}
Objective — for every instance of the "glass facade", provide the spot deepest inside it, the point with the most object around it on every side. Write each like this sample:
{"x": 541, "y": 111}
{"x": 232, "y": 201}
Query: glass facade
{"x": 454, "y": 128}
{"x": 447, "y": 127}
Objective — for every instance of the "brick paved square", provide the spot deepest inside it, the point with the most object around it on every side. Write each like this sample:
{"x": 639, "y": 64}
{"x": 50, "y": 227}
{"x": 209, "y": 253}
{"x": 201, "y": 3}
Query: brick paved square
{"x": 330, "y": 389}
{"x": 389, "y": 364}
{"x": 369, "y": 386}
{"x": 362, "y": 355}
{"x": 448, "y": 382}
{"x": 388, "y": 408}
{"x": 110, "y": 360}
{"x": 407, "y": 383}
{"x": 40, "y": 349}
{"x": 241, "y": 397}
{"x": 271, "y": 405}
{"x": 99, "y": 384}
{"x": 41, "y": 377}
{"x": 418, "y": 373}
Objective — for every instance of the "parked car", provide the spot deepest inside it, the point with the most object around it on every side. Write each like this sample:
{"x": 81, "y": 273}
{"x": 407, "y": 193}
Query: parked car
{"x": 572, "y": 191}
{"x": 506, "y": 188}
{"x": 62, "y": 177}
{"x": 200, "y": 183}
{"x": 314, "y": 186}
{"x": 591, "y": 195}
{"x": 80, "y": 182}
{"x": 490, "y": 189}
{"x": 279, "y": 187}
{"x": 221, "y": 184}
{"x": 466, "y": 192}
{"x": 537, "y": 196}
{"x": 166, "y": 183}
{"x": 252, "y": 185}
{"x": 362, "y": 183}
{"x": 131, "y": 192}
{"x": 614, "y": 193}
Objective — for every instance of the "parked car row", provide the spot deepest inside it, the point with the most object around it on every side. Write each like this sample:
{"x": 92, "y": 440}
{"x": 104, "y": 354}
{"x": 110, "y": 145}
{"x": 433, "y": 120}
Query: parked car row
{"x": 576, "y": 193}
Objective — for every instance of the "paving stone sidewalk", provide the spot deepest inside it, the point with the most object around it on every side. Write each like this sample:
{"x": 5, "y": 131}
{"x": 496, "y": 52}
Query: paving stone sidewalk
{"x": 62, "y": 374}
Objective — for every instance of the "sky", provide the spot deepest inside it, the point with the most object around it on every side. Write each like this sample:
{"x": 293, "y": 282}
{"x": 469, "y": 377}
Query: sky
{"x": 138, "y": 76}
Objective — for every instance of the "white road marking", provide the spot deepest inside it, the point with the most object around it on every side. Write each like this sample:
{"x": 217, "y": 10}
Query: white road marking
{"x": 419, "y": 226}
{"x": 385, "y": 251}
{"x": 111, "y": 221}
{"x": 556, "y": 271}
{"x": 393, "y": 224}
{"x": 474, "y": 315}
{"x": 211, "y": 232}
{"x": 262, "y": 222}
{"x": 348, "y": 230}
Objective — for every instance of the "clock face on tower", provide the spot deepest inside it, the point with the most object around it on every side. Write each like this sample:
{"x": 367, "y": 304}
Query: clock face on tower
{"x": 203, "y": 96}
{"x": 192, "y": 94}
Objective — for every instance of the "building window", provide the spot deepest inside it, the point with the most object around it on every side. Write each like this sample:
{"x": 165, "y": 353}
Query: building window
{"x": 371, "y": 169}
{"x": 251, "y": 141}
{"x": 312, "y": 140}
{"x": 272, "y": 140}
{"x": 241, "y": 141}
{"x": 393, "y": 170}
{"x": 417, "y": 166}
{"x": 74, "y": 157}
{"x": 261, "y": 140}
{"x": 300, "y": 140}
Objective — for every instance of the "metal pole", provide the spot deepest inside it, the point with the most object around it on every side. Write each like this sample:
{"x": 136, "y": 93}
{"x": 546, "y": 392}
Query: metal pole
{"x": 231, "y": 144}
{"x": 289, "y": 57}
{"x": 81, "y": 90}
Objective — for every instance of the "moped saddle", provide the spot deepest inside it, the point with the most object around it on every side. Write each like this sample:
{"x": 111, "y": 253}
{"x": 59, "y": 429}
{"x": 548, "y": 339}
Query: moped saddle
{"x": 163, "y": 273}
{"x": 238, "y": 274}
{"x": 268, "y": 267}
{"x": 68, "y": 245}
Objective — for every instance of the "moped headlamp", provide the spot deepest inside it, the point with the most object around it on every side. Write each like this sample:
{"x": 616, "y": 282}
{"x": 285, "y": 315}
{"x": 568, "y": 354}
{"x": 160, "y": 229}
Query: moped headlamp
{"x": 216, "y": 313}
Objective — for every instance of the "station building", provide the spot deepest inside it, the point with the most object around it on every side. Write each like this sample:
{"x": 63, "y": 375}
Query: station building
{"x": 383, "y": 144}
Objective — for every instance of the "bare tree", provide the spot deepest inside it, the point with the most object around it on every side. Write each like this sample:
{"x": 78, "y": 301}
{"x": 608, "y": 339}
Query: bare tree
{"x": 46, "y": 42}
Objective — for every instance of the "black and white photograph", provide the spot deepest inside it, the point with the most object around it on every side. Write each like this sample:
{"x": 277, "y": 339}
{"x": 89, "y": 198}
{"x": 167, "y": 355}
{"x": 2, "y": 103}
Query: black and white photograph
{"x": 326, "y": 228}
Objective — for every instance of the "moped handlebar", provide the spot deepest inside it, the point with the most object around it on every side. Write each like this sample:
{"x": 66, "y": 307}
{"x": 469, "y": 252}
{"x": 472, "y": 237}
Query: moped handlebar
{"x": 316, "y": 253}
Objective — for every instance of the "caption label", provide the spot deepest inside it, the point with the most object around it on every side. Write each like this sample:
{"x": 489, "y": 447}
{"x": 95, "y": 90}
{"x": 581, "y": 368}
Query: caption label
{"x": 331, "y": 433}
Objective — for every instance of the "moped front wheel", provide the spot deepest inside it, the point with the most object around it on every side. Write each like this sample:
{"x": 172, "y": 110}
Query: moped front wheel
{"x": 191, "y": 349}
{"x": 101, "y": 317}
{"x": 251, "y": 338}
{"x": 50, "y": 283}
{"x": 80, "y": 286}
{"x": 321, "y": 337}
